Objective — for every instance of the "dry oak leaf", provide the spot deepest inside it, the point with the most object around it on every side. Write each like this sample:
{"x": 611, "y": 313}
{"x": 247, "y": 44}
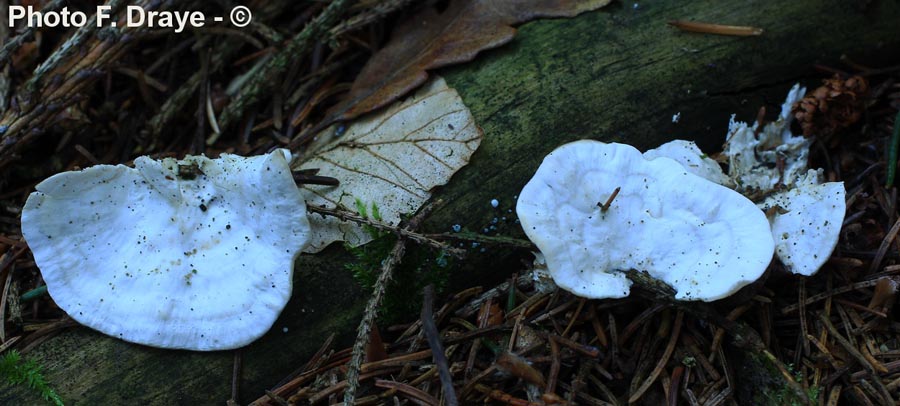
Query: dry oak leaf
{"x": 430, "y": 40}
{"x": 392, "y": 158}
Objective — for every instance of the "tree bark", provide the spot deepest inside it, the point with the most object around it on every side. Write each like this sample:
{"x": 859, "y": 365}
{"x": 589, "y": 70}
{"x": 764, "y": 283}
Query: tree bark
{"x": 619, "y": 74}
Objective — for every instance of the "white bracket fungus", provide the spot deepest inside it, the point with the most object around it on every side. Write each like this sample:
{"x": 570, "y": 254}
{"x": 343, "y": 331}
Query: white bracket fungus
{"x": 703, "y": 239}
{"x": 761, "y": 159}
{"x": 194, "y": 254}
{"x": 695, "y": 161}
{"x": 806, "y": 222}
{"x": 806, "y": 215}
{"x": 806, "y": 219}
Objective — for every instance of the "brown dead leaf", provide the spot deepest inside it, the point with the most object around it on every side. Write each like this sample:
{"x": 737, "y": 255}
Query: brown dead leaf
{"x": 391, "y": 159}
{"x": 431, "y": 40}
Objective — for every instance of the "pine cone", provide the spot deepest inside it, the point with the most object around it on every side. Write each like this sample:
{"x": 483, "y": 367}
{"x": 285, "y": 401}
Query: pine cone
{"x": 837, "y": 104}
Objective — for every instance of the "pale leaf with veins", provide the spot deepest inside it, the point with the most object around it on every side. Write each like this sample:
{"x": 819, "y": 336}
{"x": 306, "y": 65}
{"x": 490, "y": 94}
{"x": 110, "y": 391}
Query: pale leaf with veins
{"x": 392, "y": 158}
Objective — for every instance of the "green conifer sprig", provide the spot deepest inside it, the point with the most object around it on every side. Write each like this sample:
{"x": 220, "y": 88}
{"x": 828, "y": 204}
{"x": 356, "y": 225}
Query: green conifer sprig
{"x": 18, "y": 371}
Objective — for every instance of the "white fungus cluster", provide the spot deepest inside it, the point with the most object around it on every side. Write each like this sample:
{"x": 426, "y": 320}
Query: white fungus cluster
{"x": 703, "y": 239}
{"x": 596, "y": 209}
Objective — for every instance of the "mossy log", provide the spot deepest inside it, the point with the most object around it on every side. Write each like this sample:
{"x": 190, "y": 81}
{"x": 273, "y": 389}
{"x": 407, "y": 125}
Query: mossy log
{"x": 617, "y": 74}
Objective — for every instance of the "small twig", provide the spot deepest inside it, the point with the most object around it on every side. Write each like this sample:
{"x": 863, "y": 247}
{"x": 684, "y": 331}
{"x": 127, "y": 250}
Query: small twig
{"x": 175, "y": 103}
{"x": 277, "y": 399}
{"x": 675, "y": 385}
{"x": 885, "y": 244}
{"x": 581, "y": 302}
{"x": 362, "y": 335}
{"x": 17, "y": 41}
{"x": 48, "y": 330}
{"x": 5, "y": 284}
{"x": 554, "y": 367}
{"x": 720, "y": 331}
{"x": 405, "y": 233}
{"x": 801, "y": 299}
{"x": 860, "y": 307}
{"x": 717, "y": 29}
{"x": 379, "y": 11}
{"x": 395, "y": 361}
{"x": 318, "y": 357}
{"x": 241, "y": 34}
{"x": 504, "y": 397}
{"x": 598, "y": 328}
{"x": 143, "y": 75}
{"x": 307, "y": 179}
{"x": 408, "y": 390}
{"x": 261, "y": 81}
{"x": 41, "y": 100}
{"x": 610, "y": 396}
{"x": 786, "y": 375}
{"x": 9, "y": 343}
{"x": 333, "y": 389}
{"x": 578, "y": 381}
{"x": 486, "y": 239}
{"x": 760, "y": 121}
{"x": 316, "y": 78}
{"x": 667, "y": 353}
{"x": 586, "y": 350}
{"x": 892, "y": 152}
{"x": 236, "y": 376}
{"x": 853, "y": 352}
{"x": 10, "y": 255}
{"x": 87, "y": 154}
{"x": 72, "y": 45}
{"x": 211, "y": 114}
{"x": 613, "y": 338}
{"x": 522, "y": 281}
{"x": 828, "y": 294}
{"x": 632, "y": 327}
{"x": 437, "y": 349}
{"x": 33, "y": 294}
{"x": 605, "y": 206}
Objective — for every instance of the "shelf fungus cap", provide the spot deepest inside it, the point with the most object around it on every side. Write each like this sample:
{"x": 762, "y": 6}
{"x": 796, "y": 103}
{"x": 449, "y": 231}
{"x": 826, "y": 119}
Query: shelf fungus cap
{"x": 701, "y": 238}
{"x": 689, "y": 155}
{"x": 806, "y": 222}
{"x": 192, "y": 254}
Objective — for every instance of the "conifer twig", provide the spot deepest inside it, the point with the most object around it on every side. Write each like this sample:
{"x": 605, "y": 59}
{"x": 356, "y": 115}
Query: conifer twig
{"x": 74, "y": 67}
{"x": 401, "y": 232}
{"x": 13, "y": 44}
{"x": 365, "y": 325}
{"x": 267, "y": 78}
{"x": 437, "y": 349}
